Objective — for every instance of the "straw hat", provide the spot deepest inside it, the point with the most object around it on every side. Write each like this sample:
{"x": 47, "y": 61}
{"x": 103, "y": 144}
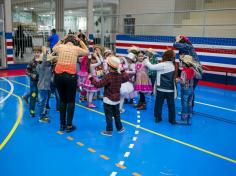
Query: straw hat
{"x": 131, "y": 56}
{"x": 187, "y": 59}
{"x": 98, "y": 46}
{"x": 113, "y": 62}
{"x": 152, "y": 51}
{"x": 133, "y": 49}
{"x": 107, "y": 51}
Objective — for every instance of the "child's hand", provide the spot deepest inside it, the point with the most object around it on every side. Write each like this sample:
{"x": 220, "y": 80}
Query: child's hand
{"x": 44, "y": 49}
{"x": 177, "y": 38}
{"x": 177, "y": 80}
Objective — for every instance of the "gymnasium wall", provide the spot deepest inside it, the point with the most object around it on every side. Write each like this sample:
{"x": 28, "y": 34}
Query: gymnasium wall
{"x": 217, "y": 55}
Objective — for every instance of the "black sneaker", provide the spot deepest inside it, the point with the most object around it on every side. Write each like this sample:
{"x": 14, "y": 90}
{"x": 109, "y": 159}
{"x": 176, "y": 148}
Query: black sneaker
{"x": 121, "y": 130}
{"x": 158, "y": 120}
{"x": 70, "y": 128}
{"x": 44, "y": 119}
{"x": 62, "y": 127}
{"x": 106, "y": 133}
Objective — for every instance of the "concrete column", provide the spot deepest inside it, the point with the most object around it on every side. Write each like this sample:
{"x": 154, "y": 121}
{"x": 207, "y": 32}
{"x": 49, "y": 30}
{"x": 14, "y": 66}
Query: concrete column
{"x": 8, "y": 33}
{"x": 59, "y": 15}
{"x": 90, "y": 20}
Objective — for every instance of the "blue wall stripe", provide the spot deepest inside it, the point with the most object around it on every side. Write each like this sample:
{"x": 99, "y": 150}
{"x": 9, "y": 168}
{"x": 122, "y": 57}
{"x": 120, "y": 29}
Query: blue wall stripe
{"x": 171, "y": 39}
{"x": 8, "y": 35}
{"x": 9, "y": 51}
{"x": 213, "y": 59}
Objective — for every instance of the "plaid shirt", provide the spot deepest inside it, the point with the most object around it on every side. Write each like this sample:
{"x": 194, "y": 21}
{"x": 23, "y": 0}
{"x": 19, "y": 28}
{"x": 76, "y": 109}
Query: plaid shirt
{"x": 67, "y": 58}
{"x": 112, "y": 83}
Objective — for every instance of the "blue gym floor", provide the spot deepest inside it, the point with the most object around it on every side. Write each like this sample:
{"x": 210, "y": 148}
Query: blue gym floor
{"x": 206, "y": 148}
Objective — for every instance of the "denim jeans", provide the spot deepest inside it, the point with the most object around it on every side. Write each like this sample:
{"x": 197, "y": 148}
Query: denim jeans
{"x": 43, "y": 98}
{"x": 33, "y": 95}
{"x": 186, "y": 101}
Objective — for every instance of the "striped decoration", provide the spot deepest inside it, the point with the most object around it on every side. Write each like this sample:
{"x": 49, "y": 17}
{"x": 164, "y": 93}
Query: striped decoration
{"x": 218, "y": 55}
{"x": 9, "y": 47}
{"x": 90, "y": 43}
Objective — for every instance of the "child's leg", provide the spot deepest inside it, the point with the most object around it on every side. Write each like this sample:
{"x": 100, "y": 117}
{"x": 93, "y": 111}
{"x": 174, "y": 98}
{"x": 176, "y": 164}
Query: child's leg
{"x": 43, "y": 96}
{"x": 33, "y": 96}
{"x": 116, "y": 114}
{"x": 142, "y": 97}
{"x": 108, "y": 110}
{"x": 90, "y": 97}
{"x": 185, "y": 104}
{"x": 122, "y": 99}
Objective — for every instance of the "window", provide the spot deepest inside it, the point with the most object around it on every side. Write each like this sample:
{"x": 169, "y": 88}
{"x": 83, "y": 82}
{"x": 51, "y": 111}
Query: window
{"x": 129, "y": 26}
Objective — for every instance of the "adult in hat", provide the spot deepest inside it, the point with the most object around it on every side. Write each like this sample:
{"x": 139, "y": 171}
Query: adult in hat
{"x": 66, "y": 77}
{"x": 165, "y": 85}
{"x": 185, "y": 47}
{"x": 112, "y": 83}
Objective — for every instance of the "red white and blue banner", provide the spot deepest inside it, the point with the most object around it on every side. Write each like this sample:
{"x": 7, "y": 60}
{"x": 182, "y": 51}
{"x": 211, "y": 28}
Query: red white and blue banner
{"x": 218, "y": 55}
{"x": 9, "y": 47}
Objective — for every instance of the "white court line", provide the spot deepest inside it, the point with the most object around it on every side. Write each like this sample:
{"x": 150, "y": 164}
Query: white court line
{"x": 122, "y": 163}
{"x": 113, "y": 174}
{"x": 219, "y": 107}
{"x": 127, "y": 154}
{"x": 10, "y": 92}
{"x": 131, "y": 146}
{"x": 135, "y": 138}
{"x": 197, "y": 102}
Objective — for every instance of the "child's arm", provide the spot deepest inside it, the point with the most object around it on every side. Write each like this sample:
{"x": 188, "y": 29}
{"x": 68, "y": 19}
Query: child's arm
{"x": 150, "y": 66}
{"x": 183, "y": 78}
{"x": 101, "y": 83}
{"x": 131, "y": 70}
{"x": 96, "y": 64}
{"x": 178, "y": 45}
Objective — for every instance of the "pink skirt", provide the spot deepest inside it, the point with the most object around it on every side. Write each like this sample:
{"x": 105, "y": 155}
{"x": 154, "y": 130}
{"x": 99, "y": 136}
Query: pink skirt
{"x": 88, "y": 86}
{"x": 81, "y": 78}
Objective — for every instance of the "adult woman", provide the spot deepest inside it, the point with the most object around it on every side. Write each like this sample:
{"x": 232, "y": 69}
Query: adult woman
{"x": 185, "y": 47}
{"x": 66, "y": 77}
{"x": 165, "y": 86}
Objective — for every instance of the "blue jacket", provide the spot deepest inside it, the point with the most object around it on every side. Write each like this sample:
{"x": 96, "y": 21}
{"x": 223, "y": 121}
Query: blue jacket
{"x": 44, "y": 75}
{"x": 53, "y": 39}
{"x": 186, "y": 49}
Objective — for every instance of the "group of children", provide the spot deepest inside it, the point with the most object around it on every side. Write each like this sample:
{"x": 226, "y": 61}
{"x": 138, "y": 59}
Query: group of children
{"x": 123, "y": 78}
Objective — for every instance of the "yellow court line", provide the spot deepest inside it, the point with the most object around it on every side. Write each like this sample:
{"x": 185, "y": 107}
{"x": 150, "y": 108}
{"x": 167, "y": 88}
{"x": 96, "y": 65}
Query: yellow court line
{"x": 162, "y": 135}
{"x": 104, "y": 157}
{"x": 19, "y": 117}
{"x": 80, "y": 144}
{"x": 91, "y": 150}
{"x": 70, "y": 138}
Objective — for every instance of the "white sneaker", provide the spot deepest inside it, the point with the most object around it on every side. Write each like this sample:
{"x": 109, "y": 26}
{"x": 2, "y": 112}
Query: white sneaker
{"x": 122, "y": 110}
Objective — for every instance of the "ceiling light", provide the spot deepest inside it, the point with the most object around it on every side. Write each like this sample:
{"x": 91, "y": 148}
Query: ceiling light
{"x": 31, "y": 8}
{"x": 25, "y": 8}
